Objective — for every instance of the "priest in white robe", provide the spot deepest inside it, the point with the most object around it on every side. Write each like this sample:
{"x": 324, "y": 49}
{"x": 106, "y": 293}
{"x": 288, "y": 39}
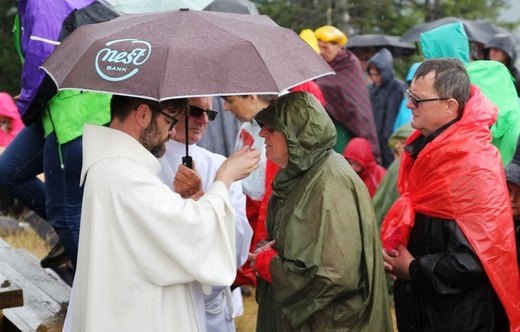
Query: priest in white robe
{"x": 142, "y": 247}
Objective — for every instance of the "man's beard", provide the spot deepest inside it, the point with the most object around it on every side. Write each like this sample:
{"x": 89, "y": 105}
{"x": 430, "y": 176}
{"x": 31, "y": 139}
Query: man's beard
{"x": 150, "y": 139}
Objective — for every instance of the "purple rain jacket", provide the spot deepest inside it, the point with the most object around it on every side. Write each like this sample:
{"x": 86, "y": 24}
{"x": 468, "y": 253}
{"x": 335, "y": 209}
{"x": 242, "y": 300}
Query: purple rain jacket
{"x": 40, "y": 24}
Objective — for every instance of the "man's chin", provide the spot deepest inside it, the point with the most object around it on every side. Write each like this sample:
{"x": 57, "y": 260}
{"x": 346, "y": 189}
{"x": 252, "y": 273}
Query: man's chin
{"x": 159, "y": 150}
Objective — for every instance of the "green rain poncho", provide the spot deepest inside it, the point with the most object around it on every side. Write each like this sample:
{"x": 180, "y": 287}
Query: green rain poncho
{"x": 328, "y": 275}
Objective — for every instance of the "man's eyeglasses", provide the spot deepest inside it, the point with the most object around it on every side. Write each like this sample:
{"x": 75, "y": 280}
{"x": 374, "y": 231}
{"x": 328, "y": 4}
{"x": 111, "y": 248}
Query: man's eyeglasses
{"x": 196, "y": 112}
{"x": 416, "y": 101}
{"x": 172, "y": 118}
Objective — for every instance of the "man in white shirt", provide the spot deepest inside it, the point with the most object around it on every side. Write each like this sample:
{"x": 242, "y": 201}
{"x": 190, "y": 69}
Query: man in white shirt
{"x": 218, "y": 304}
{"x": 142, "y": 248}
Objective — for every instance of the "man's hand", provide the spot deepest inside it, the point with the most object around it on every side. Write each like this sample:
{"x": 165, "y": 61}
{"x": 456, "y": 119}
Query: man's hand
{"x": 397, "y": 263}
{"x": 238, "y": 166}
{"x": 188, "y": 183}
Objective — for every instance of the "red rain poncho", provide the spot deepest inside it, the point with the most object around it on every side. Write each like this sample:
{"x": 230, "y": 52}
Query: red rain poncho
{"x": 459, "y": 176}
{"x": 360, "y": 151}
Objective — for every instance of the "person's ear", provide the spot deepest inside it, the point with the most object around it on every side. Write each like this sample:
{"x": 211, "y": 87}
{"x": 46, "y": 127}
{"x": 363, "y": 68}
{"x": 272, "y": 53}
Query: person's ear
{"x": 143, "y": 115}
{"x": 452, "y": 107}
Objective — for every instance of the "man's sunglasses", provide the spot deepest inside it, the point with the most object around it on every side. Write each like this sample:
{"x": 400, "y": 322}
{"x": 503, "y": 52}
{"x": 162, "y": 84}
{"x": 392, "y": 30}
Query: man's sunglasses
{"x": 196, "y": 112}
{"x": 416, "y": 101}
{"x": 172, "y": 118}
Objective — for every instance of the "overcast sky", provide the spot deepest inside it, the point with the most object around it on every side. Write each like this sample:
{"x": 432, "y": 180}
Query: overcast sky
{"x": 513, "y": 13}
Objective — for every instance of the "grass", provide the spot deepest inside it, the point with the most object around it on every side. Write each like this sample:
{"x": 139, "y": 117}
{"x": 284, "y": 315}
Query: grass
{"x": 247, "y": 322}
{"x": 29, "y": 240}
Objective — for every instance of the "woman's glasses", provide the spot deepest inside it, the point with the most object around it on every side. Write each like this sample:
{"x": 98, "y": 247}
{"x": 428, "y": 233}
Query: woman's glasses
{"x": 196, "y": 112}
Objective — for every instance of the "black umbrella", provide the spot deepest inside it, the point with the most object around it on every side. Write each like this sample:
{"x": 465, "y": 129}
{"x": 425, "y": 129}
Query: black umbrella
{"x": 394, "y": 44}
{"x": 232, "y": 6}
{"x": 477, "y": 31}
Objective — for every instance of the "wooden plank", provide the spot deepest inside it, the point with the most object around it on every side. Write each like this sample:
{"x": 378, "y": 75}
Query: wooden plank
{"x": 45, "y": 298}
{"x": 10, "y": 294}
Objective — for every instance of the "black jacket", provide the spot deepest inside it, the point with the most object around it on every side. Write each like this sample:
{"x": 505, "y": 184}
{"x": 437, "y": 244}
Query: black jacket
{"x": 450, "y": 290}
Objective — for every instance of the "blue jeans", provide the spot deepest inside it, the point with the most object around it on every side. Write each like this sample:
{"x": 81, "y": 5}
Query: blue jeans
{"x": 21, "y": 161}
{"x": 59, "y": 199}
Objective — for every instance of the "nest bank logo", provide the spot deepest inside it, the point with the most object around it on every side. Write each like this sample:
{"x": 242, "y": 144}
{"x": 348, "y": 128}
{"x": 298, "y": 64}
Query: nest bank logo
{"x": 115, "y": 65}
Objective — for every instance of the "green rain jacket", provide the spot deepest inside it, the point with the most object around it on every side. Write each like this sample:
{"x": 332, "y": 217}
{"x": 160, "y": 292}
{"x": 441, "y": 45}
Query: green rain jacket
{"x": 492, "y": 77}
{"x": 496, "y": 83}
{"x": 328, "y": 274}
{"x": 69, "y": 110}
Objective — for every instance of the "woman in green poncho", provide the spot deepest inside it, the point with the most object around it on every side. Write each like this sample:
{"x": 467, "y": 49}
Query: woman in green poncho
{"x": 321, "y": 267}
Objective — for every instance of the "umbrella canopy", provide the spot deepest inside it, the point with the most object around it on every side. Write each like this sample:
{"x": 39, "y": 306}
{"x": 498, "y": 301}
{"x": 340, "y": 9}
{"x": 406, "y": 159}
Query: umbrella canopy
{"x": 232, "y": 6}
{"x": 184, "y": 53}
{"x": 394, "y": 44}
{"x": 148, "y": 6}
{"x": 479, "y": 32}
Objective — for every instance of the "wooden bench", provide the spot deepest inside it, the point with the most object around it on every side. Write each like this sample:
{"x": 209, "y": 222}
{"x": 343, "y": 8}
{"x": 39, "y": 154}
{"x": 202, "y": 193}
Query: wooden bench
{"x": 45, "y": 298}
{"x": 10, "y": 294}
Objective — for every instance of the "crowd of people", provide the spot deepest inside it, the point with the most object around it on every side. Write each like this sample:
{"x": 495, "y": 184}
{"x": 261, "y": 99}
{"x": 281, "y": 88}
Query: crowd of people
{"x": 332, "y": 200}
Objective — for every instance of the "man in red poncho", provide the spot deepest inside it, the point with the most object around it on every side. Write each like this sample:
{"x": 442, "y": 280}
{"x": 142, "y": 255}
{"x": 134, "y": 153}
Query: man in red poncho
{"x": 449, "y": 240}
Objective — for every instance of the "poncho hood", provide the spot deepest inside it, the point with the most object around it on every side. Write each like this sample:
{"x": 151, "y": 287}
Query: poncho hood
{"x": 9, "y": 110}
{"x": 308, "y": 130}
{"x": 383, "y": 62}
{"x": 496, "y": 83}
{"x": 447, "y": 41}
{"x": 358, "y": 149}
{"x": 504, "y": 42}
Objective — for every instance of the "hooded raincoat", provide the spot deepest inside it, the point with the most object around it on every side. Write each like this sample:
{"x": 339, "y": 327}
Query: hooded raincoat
{"x": 347, "y": 101}
{"x": 450, "y": 41}
{"x": 328, "y": 274}
{"x": 386, "y": 100}
{"x": 455, "y": 218}
{"x": 496, "y": 83}
{"x": 8, "y": 109}
{"x": 41, "y": 24}
{"x": 506, "y": 43}
{"x": 358, "y": 150}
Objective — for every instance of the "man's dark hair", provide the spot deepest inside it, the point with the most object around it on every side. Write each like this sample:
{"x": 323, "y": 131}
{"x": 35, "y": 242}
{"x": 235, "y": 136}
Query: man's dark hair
{"x": 122, "y": 106}
{"x": 451, "y": 79}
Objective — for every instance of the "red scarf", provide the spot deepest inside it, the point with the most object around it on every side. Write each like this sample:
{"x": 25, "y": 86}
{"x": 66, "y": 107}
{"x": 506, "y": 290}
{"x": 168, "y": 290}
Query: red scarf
{"x": 459, "y": 175}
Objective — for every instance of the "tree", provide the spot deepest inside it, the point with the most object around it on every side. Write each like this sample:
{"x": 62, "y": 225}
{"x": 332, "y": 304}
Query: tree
{"x": 10, "y": 64}
{"x": 389, "y": 17}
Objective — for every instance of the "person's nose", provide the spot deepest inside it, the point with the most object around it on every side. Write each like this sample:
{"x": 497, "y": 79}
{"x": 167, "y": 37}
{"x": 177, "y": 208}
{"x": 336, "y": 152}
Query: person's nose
{"x": 203, "y": 118}
{"x": 227, "y": 107}
{"x": 172, "y": 133}
{"x": 264, "y": 132}
{"x": 409, "y": 103}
